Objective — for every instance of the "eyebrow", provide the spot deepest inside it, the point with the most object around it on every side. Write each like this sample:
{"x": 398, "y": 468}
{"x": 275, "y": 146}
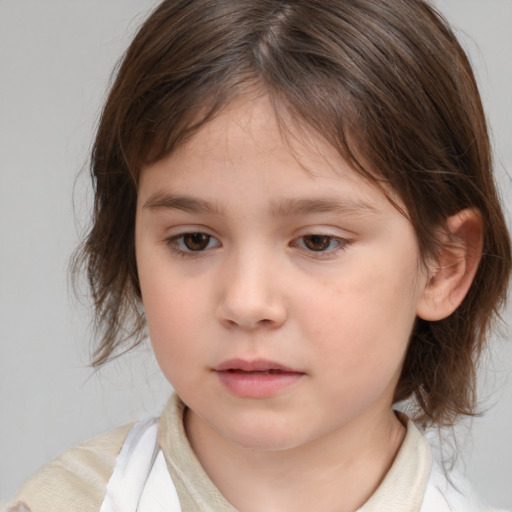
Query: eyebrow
{"x": 283, "y": 208}
{"x": 161, "y": 201}
{"x": 344, "y": 206}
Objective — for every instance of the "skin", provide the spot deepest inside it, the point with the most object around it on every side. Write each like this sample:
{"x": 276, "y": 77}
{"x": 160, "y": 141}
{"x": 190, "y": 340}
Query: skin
{"x": 340, "y": 316}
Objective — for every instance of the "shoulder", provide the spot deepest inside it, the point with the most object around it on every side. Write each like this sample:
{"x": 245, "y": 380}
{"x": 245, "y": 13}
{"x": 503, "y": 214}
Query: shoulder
{"x": 76, "y": 480}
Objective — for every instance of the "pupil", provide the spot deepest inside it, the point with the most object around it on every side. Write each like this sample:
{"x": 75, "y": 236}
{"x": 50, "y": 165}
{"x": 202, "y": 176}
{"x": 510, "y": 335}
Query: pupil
{"x": 196, "y": 241}
{"x": 317, "y": 242}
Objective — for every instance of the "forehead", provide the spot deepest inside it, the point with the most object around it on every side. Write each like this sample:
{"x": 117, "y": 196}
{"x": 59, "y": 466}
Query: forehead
{"x": 250, "y": 142}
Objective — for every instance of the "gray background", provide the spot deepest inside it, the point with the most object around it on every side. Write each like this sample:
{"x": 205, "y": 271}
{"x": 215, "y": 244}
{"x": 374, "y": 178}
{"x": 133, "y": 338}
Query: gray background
{"x": 56, "y": 57}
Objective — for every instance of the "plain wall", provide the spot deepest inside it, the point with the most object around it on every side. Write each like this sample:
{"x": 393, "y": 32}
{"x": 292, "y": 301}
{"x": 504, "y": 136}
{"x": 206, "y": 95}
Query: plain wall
{"x": 56, "y": 57}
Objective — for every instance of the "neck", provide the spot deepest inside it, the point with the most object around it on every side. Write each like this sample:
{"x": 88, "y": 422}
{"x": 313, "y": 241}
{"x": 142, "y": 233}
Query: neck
{"x": 335, "y": 473}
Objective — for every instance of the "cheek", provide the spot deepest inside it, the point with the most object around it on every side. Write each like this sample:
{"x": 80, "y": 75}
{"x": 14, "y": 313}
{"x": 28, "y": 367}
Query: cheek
{"x": 172, "y": 311}
{"x": 365, "y": 307}
{"x": 172, "y": 339}
{"x": 363, "y": 322}
{"x": 168, "y": 300}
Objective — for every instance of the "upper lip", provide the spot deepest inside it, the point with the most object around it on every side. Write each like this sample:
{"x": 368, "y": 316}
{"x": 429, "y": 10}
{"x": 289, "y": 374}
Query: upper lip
{"x": 256, "y": 365}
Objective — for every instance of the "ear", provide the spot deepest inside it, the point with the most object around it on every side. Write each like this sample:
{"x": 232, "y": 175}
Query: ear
{"x": 451, "y": 273}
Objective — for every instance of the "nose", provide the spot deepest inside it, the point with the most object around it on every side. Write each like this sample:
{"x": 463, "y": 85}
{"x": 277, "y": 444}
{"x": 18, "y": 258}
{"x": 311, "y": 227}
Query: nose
{"x": 250, "y": 294}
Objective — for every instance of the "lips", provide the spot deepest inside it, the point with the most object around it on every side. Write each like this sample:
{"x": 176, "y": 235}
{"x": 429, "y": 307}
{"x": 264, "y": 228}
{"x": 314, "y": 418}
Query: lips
{"x": 256, "y": 379}
{"x": 258, "y": 365}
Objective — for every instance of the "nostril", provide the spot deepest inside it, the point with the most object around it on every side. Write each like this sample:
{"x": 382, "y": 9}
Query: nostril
{"x": 265, "y": 323}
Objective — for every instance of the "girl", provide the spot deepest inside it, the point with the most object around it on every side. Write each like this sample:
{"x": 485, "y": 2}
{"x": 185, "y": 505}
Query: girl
{"x": 296, "y": 200}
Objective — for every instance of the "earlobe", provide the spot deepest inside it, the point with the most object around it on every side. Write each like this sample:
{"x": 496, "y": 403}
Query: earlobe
{"x": 451, "y": 274}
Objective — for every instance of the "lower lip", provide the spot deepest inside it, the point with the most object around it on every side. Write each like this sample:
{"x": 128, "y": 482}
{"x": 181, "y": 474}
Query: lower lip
{"x": 257, "y": 385}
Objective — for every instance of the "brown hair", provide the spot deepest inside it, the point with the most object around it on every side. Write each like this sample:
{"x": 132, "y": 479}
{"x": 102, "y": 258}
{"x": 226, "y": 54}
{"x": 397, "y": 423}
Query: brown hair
{"x": 383, "y": 79}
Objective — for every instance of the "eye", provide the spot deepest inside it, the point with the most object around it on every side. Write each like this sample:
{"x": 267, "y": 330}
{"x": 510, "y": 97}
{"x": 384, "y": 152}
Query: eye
{"x": 321, "y": 243}
{"x": 192, "y": 242}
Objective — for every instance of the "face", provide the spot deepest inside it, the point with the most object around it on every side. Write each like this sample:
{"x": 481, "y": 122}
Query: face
{"x": 280, "y": 288}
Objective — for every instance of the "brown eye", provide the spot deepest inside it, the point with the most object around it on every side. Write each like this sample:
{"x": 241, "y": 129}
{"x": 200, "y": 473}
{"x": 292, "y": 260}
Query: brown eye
{"x": 318, "y": 243}
{"x": 187, "y": 244}
{"x": 196, "y": 241}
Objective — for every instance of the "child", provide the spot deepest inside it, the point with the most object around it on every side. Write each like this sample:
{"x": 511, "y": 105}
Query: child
{"x": 296, "y": 199}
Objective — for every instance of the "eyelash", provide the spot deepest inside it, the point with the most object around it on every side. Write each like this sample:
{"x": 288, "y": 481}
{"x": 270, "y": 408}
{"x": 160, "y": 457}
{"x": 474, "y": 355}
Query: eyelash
{"x": 341, "y": 245}
{"x": 175, "y": 241}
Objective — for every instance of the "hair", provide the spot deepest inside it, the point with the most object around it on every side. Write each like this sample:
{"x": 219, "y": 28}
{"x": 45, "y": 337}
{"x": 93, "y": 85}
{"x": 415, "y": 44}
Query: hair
{"x": 385, "y": 82}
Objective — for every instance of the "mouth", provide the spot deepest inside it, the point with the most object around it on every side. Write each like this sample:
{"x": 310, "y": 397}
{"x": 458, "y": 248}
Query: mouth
{"x": 261, "y": 366}
{"x": 257, "y": 372}
{"x": 256, "y": 379}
